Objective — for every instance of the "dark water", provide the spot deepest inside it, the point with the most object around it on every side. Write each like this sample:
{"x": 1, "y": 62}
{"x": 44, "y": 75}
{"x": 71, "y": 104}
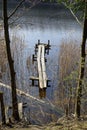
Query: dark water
{"x": 54, "y": 23}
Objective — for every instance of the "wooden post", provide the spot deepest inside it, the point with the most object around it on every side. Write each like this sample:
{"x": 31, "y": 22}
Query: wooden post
{"x": 42, "y": 93}
{"x": 38, "y": 42}
{"x": 6, "y": 114}
{"x": 39, "y": 66}
{"x": 43, "y": 67}
{"x": 2, "y": 108}
{"x": 20, "y": 109}
{"x": 48, "y": 42}
{"x": 32, "y": 82}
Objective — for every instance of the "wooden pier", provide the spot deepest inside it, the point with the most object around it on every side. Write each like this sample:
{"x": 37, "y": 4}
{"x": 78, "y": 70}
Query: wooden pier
{"x": 40, "y": 50}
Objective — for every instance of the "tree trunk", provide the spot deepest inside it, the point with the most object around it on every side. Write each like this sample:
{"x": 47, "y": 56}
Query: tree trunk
{"x": 11, "y": 62}
{"x": 2, "y": 108}
{"x": 82, "y": 66}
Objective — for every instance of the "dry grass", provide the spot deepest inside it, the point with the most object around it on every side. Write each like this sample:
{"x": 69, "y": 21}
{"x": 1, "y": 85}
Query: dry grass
{"x": 69, "y": 58}
{"x": 62, "y": 124}
{"x": 3, "y": 57}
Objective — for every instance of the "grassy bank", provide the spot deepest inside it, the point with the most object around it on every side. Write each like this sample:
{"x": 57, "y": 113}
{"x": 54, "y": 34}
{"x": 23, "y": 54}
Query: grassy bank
{"x": 62, "y": 124}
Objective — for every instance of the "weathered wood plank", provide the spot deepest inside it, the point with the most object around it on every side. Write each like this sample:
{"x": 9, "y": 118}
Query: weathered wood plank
{"x": 40, "y": 66}
{"x": 34, "y": 78}
{"x": 43, "y": 67}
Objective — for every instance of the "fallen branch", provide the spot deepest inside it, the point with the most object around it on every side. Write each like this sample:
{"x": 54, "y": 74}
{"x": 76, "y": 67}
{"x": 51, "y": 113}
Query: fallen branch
{"x": 20, "y": 92}
{"x": 78, "y": 21}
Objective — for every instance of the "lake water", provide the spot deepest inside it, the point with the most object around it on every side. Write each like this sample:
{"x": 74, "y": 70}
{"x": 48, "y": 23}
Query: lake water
{"x": 54, "y": 23}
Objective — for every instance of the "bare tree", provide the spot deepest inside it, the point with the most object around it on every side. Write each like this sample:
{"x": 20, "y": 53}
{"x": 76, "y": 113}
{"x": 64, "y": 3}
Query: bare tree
{"x": 82, "y": 4}
{"x": 9, "y": 56}
{"x": 10, "y": 61}
{"x": 82, "y": 65}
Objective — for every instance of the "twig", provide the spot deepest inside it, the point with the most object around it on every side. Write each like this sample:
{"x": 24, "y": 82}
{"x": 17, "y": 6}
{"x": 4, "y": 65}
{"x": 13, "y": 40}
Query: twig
{"x": 15, "y": 9}
{"x": 73, "y": 14}
{"x": 75, "y": 17}
{"x": 33, "y": 4}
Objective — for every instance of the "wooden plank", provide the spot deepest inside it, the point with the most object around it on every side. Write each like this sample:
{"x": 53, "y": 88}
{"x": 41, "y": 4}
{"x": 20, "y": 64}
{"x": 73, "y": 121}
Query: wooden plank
{"x": 44, "y": 67}
{"x": 34, "y": 78}
{"x": 40, "y": 66}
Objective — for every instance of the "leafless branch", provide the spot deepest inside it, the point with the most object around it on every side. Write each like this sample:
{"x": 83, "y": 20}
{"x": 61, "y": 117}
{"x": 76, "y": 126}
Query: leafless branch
{"x": 72, "y": 13}
{"x": 75, "y": 17}
{"x": 15, "y": 9}
{"x": 33, "y": 4}
{"x": 13, "y": 21}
